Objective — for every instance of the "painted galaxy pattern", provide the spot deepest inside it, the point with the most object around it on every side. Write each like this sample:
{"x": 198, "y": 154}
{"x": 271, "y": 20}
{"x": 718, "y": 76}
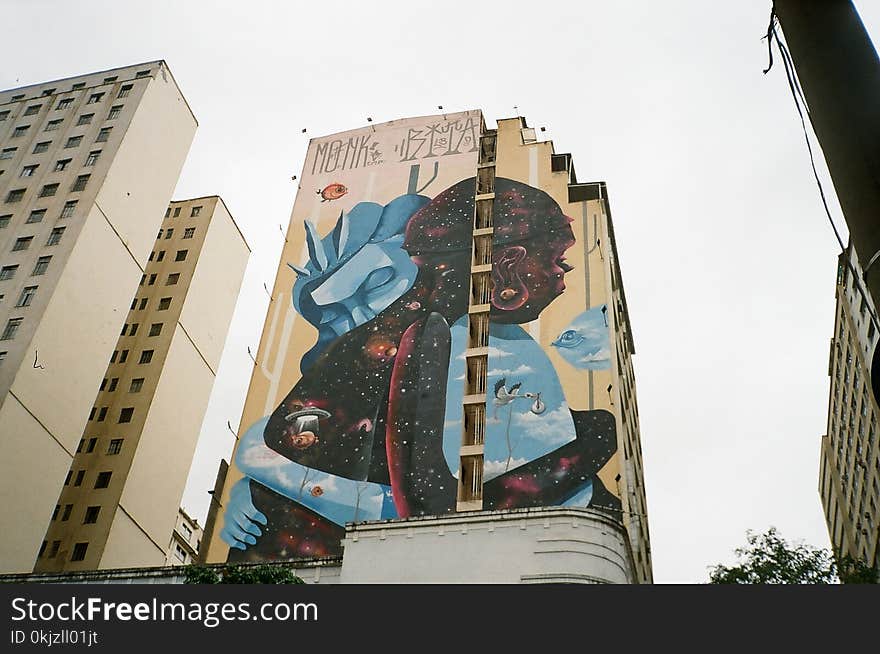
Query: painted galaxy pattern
{"x": 372, "y": 428}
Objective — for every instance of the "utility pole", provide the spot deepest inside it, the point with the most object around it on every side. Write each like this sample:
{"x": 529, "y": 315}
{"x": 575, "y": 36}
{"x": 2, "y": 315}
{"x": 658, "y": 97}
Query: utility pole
{"x": 839, "y": 72}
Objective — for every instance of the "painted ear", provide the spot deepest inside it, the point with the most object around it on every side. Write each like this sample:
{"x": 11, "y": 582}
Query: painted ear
{"x": 316, "y": 250}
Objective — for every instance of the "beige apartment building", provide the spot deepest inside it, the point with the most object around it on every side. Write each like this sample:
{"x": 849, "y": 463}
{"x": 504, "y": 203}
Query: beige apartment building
{"x": 87, "y": 167}
{"x": 120, "y": 497}
{"x": 186, "y": 539}
{"x": 849, "y": 478}
{"x": 444, "y": 388}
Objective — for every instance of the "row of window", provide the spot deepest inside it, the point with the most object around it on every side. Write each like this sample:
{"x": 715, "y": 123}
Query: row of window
{"x": 76, "y": 87}
{"x": 131, "y": 330}
{"x": 189, "y": 232}
{"x": 49, "y": 190}
{"x": 121, "y": 356}
{"x": 164, "y": 303}
{"x": 60, "y": 165}
{"x": 173, "y": 278}
{"x": 115, "y": 446}
{"x": 37, "y": 215}
{"x": 72, "y": 142}
{"x": 78, "y": 554}
{"x": 24, "y": 242}
{"x": 101, "y": 481}
{"x": 53, "y": 125}
{"x": 65, "y": 103}
{"x": 110, "y": 384}
{"x": 40, "y": 268}
{"x": 90, "y": 517}
{"x": 193, "y": 213}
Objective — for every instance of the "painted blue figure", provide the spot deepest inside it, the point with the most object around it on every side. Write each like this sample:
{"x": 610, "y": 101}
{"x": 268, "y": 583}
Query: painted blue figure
{"x": 352, "y": 274}
{"x": 585, "y": 342}
{"x": 356, "y": 270}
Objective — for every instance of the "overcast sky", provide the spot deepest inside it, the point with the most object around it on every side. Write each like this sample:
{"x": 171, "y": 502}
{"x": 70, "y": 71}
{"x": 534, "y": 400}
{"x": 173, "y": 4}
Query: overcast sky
{"x": 727, "y": 258}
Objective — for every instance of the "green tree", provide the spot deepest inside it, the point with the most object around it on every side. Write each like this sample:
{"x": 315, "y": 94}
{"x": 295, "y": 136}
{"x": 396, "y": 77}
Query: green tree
{"x": 770, "y": 559}
{"x": 240, "y": 574}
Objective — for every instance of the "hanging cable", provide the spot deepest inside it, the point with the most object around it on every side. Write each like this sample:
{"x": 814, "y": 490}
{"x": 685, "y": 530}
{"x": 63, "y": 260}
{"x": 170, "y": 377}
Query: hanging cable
{"x": 799, "y": 99}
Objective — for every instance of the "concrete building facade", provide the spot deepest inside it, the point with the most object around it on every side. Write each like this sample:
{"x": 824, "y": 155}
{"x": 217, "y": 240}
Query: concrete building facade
{"x": 849, "y": 469}
{"x": 448, "y": 341}
{"x": 186, "y": 539}
{"x": 87, "y": 166}
{"x": 119, "y": 500}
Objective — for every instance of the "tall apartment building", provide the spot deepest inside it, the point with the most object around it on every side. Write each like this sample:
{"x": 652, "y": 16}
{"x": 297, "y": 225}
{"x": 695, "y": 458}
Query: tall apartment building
{"x": 120, "y": 497}
{"x": 87, "y": 166}
{"x": 444, "y": 387}
{"x": 850, "y": 459}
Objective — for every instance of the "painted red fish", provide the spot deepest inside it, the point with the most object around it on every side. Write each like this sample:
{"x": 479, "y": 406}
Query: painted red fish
{"x": 332, "y": 192}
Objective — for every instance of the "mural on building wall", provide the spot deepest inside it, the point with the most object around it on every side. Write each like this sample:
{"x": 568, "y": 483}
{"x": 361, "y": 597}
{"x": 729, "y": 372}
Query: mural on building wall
{"x": 372, "y": 427}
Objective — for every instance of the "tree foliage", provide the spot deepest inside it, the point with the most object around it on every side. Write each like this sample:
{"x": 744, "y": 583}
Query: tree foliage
{"x": 236, "y": 574}
{"x": 770, "y": 559}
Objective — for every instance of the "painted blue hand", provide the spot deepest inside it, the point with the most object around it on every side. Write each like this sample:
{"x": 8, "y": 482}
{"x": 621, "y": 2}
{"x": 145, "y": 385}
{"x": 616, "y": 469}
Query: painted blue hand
{"x": 240, "y": 527}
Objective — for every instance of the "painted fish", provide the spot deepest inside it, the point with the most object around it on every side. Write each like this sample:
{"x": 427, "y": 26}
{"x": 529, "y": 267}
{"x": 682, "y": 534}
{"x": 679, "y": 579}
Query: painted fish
{"x": 332, "y": 192}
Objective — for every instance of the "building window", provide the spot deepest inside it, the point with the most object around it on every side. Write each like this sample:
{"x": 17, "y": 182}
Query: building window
{"x": 103, "y": 479}
{"x": 103, "y": 135}
{"x": 195, "y": 212}
{"x": 114, "y": 112}
{"x": 64, "y": 104}
{"x": 173, "y": 278}
{"x": 48, "y": 91}
{"x": 134, "y": 328}
{"x": 142, "y": 73}
{"x": 155, "y": 328}
{"x": 67, "y": 478}
{"x": 189, "y": 232}
{"x": 79, "y": 552}
{"x": 16, "y": 98}
{"x": 55, "y": 512}
{"x": 126, "y": 414}
{"x": 85, "y": 119}
{"x": 73, "y": 142}
{"x": 143, "y": 279}
{"x": 69, "y": 208}
{"x": 146, "y": 356}
{"x": 136, "y": 385}
{"x": 176, "y": 211}
{"x": 169, "y": 233}
{"x": 22, "y": 243}
{"x": 164, "y": 303}
{"x": 91, "y": 446}
{"x": 113, "y": 383}
{"x": 152, "y": 280}
{"x": 16, "y": 195}
{"x": 41, "y": 266}
{"x": 42, "y": 550}
{"x": 4, "y": 115}
{"x": 115, "y": 446}
{"x": 8, "y": 153}
{"x": 80, "y": 183}
{"x": 41, "y": 147}
{"x": 48, "y": 190}
{"x": 102, "y": 414}
{"x": 123, "y": 356}
{"x": 11, "y": 329}
{"x": 55, "y": 236}
{"x": 161, "y": 255}
{"x": 62, "y": 164}
{"x": 21, "y": 130}
{"x": 113, "y": 356}
{"x": 33, "y": 109}
{"x": 93, "y": 157}
{"x": 187, "y": 532}
{"x": 180, "y": 553}
{"x": 36, "y": 216}
{"x": 102, "y": 387}
{"x": 65, "y": 515}
{"x": 8, "y": 272}
{"x": 27, "y": 296}
{"x": 52, "y": 125}
{"x": 181, "y": 255}
{"x": 94, "y": 408}
{"x": 4, "y": 220}
{"x": 54, "y": 549}
{"x": 110, "y": 80}
{"x": 125, "y": 90}
{"x": 80, "y": 475}
{"x": 159, "y": 235}
{"x": 78, "y": 85}
{"x": 92, "y": 515}
{"x": 143, "y": 303}
{"x": 28, "y": 171}
{"x": 95, "y": 98}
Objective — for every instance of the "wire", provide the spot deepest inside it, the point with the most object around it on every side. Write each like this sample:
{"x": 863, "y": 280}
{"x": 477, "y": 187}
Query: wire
{"x": 798, "y": 97}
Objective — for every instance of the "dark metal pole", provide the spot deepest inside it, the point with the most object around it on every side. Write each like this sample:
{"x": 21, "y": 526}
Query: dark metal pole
{"x": 839, "y": 72}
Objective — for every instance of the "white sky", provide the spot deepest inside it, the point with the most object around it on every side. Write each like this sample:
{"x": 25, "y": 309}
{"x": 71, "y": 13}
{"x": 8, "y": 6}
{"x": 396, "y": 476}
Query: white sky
{"x": 727, "y": 258}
